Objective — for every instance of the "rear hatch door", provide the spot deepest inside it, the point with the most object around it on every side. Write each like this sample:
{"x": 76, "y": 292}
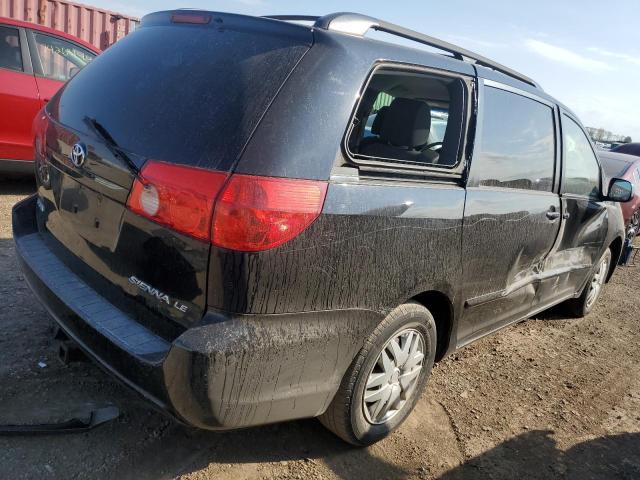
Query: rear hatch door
{"x": 187, "y": 88}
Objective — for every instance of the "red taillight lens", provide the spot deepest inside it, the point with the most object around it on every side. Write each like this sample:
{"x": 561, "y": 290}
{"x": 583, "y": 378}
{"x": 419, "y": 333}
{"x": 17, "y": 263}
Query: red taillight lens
{"x": 179, "y": 197}
{"x": 250, "y": 214}
{"x": 258, "y": 213}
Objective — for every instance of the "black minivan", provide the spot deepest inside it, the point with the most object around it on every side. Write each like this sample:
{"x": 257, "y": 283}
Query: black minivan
{"x": 250, "y": 220}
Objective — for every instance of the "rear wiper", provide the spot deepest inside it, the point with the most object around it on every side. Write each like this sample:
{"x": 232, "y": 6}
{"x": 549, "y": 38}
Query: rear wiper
{"x": 113, "y": 146}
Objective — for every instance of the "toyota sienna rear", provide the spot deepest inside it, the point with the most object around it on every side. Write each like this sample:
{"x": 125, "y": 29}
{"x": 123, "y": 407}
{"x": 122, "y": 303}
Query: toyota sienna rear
{"x": 250, "y": 220}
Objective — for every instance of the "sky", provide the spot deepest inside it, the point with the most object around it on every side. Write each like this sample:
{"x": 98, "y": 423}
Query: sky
{"x": 586, "y": 53}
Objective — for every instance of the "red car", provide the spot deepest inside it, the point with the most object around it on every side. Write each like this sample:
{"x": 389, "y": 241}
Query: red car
{"x": 35, "y": 61}
{"x": 621, "y": 165}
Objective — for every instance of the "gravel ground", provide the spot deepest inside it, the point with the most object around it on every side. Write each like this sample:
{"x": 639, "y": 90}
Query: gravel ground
{"x": 548, "y": 398}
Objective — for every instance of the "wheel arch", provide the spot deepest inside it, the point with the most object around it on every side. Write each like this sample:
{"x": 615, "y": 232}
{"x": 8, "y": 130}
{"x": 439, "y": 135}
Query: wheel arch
{"x": 616, "y": 250}
{"x": 441, "y": 308}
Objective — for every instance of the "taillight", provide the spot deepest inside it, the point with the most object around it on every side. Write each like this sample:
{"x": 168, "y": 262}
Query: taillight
{"x": 247, "y": 213}
{"x": 258, "y": 213}
{"x": 179, "y": 197}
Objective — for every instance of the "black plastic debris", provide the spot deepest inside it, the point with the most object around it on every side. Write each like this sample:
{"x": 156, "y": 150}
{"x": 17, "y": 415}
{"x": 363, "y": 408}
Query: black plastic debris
{"x": 80, "y": 423}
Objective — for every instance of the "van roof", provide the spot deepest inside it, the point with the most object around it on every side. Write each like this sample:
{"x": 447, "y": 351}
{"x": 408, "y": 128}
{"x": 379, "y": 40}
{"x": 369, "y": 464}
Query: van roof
{"x": 358, "y": 25}
{"x": 354, "y": 26}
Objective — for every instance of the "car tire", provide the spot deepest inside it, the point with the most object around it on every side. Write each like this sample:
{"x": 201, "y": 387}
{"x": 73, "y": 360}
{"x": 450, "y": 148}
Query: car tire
{"x": 394, "y": 344}
{"x": 581, "y": 306}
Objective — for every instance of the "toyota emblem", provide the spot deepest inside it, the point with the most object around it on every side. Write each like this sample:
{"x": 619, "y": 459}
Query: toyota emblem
{"x": 78, "y": 154}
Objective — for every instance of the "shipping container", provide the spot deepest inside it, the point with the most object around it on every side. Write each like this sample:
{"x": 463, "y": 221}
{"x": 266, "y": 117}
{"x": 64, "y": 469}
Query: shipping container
{"x": 94, "y": 25}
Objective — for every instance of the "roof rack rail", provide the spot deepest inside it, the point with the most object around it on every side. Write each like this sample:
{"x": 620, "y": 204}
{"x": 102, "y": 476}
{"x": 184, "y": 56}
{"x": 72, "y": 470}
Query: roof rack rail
{"x": 294, "y": 18}
{"x": 357, "y": 24}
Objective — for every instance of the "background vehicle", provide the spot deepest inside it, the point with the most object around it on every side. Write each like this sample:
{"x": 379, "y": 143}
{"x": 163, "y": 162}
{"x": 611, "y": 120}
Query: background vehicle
{"x": 35, "y": 61}
{"x": 218, "y": 229}
{"x": 620, "y": 165}
{"x": 628, "y": 148}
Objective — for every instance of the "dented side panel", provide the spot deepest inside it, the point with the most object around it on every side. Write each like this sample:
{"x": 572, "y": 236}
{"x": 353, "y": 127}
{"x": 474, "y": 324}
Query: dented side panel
{"x": 584, "y": 236}
{"x": 507, "y": 236}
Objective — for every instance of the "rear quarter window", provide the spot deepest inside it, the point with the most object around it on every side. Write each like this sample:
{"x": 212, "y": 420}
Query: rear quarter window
{"x": 409, "y": 117}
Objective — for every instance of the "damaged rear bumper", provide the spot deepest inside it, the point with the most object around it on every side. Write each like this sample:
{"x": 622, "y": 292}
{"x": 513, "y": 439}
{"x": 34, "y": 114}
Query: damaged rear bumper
{"x": 229, "y": 371}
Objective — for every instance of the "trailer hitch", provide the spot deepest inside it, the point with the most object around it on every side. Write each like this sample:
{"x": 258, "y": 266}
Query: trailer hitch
{"x": 77, "y": 424}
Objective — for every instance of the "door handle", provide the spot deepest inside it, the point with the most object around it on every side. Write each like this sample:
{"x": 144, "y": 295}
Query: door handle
{"x": 552, "y": 214}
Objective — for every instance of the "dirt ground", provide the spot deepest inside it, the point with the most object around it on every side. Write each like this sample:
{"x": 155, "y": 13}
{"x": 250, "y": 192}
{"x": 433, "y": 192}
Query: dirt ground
{"x": 548, "y": 398}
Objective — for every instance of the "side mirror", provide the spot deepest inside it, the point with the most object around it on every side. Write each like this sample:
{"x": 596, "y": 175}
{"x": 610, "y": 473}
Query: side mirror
{"x": 620, "y": 190}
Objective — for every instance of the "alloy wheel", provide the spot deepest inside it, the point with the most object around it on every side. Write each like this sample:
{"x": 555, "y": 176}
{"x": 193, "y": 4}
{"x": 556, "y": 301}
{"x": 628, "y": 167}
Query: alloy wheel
{"x": 595, "y": 287}
{"x": 393, "y": 378}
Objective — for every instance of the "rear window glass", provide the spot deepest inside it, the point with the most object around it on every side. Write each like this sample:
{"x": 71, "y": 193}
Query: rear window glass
{"x": 516, "y": 144}
{"x": 182, "y": 93}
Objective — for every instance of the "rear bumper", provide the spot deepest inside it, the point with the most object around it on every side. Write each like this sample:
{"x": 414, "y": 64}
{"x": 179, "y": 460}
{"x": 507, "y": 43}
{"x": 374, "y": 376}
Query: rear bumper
{"x": 228, "y": 372}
